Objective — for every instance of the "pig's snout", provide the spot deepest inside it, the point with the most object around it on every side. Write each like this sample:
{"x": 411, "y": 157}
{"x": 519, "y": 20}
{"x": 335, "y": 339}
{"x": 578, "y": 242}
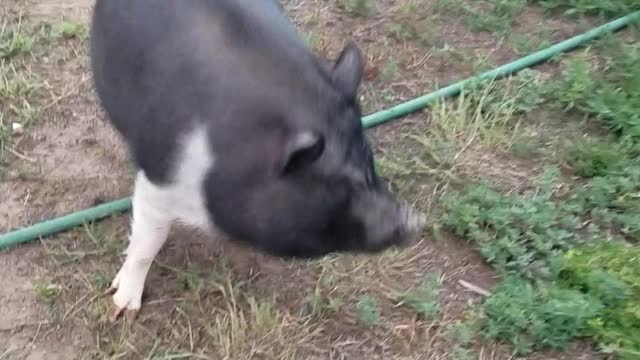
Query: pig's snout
{"x": 388, "y": 223}
{"x": 401, "y": 229}
{"x": 411, "y": 223}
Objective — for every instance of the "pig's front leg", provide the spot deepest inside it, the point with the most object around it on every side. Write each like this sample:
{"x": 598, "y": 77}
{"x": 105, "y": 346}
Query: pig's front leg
{"x": 149, "y": 230}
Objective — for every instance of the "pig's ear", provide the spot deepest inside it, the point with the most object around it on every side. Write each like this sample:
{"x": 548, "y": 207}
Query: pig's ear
{"x": 348, "y": 69}
{"x": 301, "y": 150}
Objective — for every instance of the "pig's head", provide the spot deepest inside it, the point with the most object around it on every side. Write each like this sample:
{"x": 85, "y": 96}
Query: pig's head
{"x": 302, "y": 183}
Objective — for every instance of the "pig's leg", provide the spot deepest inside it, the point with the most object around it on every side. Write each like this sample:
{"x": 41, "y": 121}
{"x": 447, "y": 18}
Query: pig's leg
{"x": 149, "y": 230}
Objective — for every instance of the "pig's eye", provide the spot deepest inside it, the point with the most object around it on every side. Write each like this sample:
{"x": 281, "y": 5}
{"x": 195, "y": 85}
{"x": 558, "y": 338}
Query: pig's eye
{"x": 303, "y": 151}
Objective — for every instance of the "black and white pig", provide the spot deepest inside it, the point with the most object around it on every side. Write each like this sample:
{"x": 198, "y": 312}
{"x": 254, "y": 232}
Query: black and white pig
{"x": 234, "y": 125}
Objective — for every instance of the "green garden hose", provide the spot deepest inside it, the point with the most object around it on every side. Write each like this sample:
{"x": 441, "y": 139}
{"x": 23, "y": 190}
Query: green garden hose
{"x": 72, "y": 220}
{"x": 63, "y": 223}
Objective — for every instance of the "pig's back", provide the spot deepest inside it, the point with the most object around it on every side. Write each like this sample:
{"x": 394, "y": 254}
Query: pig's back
{"x": 161, "y": 66}
{"x": 155, "y": 61}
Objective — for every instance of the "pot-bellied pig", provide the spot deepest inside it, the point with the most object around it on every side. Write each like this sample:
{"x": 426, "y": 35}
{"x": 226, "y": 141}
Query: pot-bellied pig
{"x": 235, "y": 125}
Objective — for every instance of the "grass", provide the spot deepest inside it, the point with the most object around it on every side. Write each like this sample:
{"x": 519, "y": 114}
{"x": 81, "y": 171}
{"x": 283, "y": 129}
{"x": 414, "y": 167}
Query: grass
{"x": 17, "y": 89}
{"x": 390, "y": 70}
{"x": 361, "y": 8}
{"x": 21, "y": 88}
{"x": 594, "y": 157}
{"x": 47, "y": 291}
{"x": 312, "y": 40}
{"x": 609, "y": 273}
{"x": 526, "y": 238}
{"x": 424, "y": 299}
{"x": 528, "y": 43}
{"x": 368, "y": 312}
{"x": 461, "y": 335}
{"x": 69, "y": 30}
{"x": 613, "y": 98}
{"x": 102, "y": 280}
{"x": 536, "y": 317}
{"x": 413, "y": 21}
{"x": 234, "y": 327}
{"x": 556, "y": 251}
{"x": 402, "y": 31}
{"x": 14, "y": 42}
{"x": 488, "y": 112}
{"x": 607, "y": 8}
{"x": 495, "y": 16}
{"x": 612, "y": 95}
{"x": 323, "y": 300}
{"x": 498, "y": 15}
{"x": 15, "y": 85}
{"x": 486, "y": 115}
{"x": 212, "y": 308}
{"x": 555, "y": 288}
{"x": 519, "y": 235}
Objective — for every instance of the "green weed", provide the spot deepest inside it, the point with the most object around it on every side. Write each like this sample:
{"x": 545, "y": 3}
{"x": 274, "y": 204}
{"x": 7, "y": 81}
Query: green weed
{"x": 69, "y": 30}
{"x": 368, "y": 311}
{"x": 461, "y": 353}
{"x": 264, "y": 317}
{"x": 560, "y": 280}
{"x": 461, "y": 332}
{"x": 413, "y": 22}
{"x": 358, "y": 7}
{"x": 537, "y": 317}
{"x": 236, "y": 326}
{"x": 15, "y": 84}
{"x": 450, "y": 53}
{"x": 486, "y": 114}
{"x": 486, "y": 23}
{"x": 402, "y": 31}
{"x": 425, "y": 298}
{"x": 613, "y": 96}
{"x": 541, "y": 238}
{"x": 488, "y": 111}
{"x": 449, "y": 5}
{"x": 593, "y": 157}
{"x": 518, "y": 234}
{"x": 107, "y": 242}
{"x": 319, "y": 304}
{"x": 17, "y": 87}
{"x": 47, "y": 291}
{"x": 312, "y": 40}
{"x": 390, "y": 70}
{"x": 415, "y": 7}
{"x": 576, "y": 291}
{"x": 323, "y": 301}
{"x": 595, "y": 293}
{"x": 522, "y": 91}
{"x": 507, "y": 8}
{"x": 613, "y": 199}
{"x": 14, "y": 42}
{"x": 461, "y": 335}
{"x": 491, "y": 15}
{"x": 529, "y": 43}
{"x": 158, "y": 352}
{"x": 610, "y": 273}
{"x": 479, "y": 64}
{"x": 607, "y": 8}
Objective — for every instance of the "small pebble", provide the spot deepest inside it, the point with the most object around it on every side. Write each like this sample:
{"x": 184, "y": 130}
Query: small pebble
{"x": 17, "y": 128}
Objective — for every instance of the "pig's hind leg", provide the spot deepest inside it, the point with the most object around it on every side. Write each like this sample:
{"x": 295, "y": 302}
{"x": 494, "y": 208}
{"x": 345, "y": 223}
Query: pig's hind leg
{"x": 150, "y": 227}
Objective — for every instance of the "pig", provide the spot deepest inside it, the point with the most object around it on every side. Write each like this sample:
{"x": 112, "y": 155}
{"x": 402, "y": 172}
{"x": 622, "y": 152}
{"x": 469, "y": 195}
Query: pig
{"x": 234, "y": 125}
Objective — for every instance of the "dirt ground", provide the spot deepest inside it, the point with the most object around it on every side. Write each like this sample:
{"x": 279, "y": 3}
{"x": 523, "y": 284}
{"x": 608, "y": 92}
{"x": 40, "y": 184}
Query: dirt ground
{"x": 205, "y": 298}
